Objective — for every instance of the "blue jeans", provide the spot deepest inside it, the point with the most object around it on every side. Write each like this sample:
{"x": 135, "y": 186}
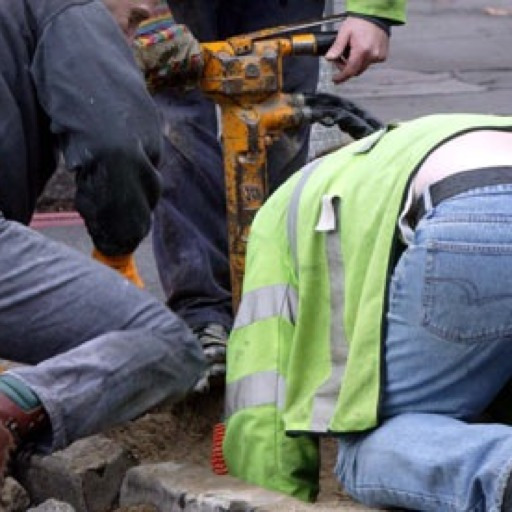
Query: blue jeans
{"x": 190, "y": 233}
{"x": 448, "y": 352}
{"x": 100, "y": 350}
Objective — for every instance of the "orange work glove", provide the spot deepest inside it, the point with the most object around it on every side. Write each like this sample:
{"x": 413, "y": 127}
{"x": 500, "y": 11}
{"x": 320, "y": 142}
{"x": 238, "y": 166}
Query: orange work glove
{"x": 125, "y": 265}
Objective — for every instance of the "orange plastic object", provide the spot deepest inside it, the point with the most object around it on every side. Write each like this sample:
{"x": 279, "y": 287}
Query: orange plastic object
{"x": 217, "y": 458}
{"x": 124, "y": 264}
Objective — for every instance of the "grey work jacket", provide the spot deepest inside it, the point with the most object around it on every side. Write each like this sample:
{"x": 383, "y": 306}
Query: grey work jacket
{"x": 68, "y": 83}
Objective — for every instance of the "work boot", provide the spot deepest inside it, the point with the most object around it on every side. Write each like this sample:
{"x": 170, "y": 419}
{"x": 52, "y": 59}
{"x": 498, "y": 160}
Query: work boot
{"x": 213, "y": 338}
{"x": 16, "y": 426}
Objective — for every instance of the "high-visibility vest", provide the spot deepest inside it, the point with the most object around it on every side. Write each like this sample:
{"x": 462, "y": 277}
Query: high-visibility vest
{"x": 389, "y": 9}
{"x": 305, "y": 353}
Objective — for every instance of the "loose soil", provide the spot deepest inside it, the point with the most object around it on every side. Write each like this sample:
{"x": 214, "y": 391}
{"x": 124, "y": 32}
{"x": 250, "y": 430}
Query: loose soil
{"x": 183, "y": 433}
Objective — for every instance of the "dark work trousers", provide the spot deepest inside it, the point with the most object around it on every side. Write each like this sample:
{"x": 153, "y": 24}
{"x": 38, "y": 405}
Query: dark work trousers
{"x": 190, "y": 233}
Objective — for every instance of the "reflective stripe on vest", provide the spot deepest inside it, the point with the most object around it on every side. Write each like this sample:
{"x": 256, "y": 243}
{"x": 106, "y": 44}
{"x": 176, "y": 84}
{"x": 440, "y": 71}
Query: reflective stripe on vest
{"x": 267, "y": 302}
{"x": 324, "y": 401}
{"x": 293, "y": 209}
{"x": 262, "y": 388}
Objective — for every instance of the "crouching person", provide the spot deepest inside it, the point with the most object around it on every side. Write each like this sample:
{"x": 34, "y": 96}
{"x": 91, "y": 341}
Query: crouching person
{"x": 98, "y": 350}
{"x": 376, "y": 308}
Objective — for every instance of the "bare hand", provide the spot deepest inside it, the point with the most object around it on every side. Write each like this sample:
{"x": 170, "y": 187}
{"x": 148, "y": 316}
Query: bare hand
{"x": 358, "y": 44}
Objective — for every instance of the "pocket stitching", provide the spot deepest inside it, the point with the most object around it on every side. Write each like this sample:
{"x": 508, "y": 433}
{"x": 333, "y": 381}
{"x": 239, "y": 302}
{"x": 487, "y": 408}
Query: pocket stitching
{"x": 454, "y": 335}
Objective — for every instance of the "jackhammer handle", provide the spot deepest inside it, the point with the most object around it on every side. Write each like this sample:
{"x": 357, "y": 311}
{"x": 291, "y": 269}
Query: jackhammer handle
{"x": 324, "y": 40}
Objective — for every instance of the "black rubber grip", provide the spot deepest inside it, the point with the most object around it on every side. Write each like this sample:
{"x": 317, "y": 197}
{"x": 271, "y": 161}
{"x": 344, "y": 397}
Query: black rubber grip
{"x": 324, "y": 41}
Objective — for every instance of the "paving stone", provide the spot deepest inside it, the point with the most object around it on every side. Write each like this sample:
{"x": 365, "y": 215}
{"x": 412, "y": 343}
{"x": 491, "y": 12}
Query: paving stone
{"x": 13, "y": 497}
{"x": 87, "y": 474}
{"x": 52, "y": 506}
{"x": 172, "y": 487}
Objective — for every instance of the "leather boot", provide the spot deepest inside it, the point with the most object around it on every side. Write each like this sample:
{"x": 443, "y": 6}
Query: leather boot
{"x": 16, "y": 426}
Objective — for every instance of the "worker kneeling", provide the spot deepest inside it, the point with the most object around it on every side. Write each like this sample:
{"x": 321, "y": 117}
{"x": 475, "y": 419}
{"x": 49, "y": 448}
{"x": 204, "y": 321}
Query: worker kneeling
{"x": 376, "y": 308}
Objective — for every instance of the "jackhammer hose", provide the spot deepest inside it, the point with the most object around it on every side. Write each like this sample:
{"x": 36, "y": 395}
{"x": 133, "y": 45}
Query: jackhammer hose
{"x": 331, "y": 110}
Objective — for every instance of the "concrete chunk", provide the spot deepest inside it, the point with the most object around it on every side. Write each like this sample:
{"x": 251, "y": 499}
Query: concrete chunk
{"x": 52, "y": 506}
{"x": 13, "y": 498}
{"x": 172, "y": 487}
{"x": 87, "y": 474}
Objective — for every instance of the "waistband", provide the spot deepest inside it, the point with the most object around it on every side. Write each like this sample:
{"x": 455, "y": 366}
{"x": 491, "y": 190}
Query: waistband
{"x": 459, "y": 183}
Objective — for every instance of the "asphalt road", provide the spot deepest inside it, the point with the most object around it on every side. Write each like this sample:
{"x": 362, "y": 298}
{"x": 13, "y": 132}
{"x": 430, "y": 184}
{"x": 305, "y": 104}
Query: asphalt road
{"x": 451, "y": 56}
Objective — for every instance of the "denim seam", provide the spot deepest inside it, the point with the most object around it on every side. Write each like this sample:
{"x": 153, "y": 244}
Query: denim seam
{"x": 472, "y": 248}
{"x": 427, "y": 298}
{"x": 453, "y": 335}
{"x": 473, "y": 218}
{"x": 432, "y": 499}
{"x": 502, "y": 485}
{"x": 448, "y": 335}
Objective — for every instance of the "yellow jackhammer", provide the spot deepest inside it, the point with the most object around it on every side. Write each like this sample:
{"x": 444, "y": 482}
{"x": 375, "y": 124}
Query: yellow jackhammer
{"x": 244, "y": 77}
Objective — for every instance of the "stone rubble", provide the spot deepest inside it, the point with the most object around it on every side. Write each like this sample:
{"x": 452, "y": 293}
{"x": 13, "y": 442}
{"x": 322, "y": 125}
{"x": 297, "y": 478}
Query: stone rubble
{"x": 96, "y": 474}
{"x": 87, "y": 474}
{"x": 13, "y": 497}
{"x": 52, "y": 506}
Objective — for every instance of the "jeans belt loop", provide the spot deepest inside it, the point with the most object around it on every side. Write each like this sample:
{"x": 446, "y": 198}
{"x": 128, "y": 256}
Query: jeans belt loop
{"x": 427, "y": 199}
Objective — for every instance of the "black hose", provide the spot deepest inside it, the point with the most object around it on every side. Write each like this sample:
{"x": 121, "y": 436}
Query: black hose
{"x": 331, "y": 110}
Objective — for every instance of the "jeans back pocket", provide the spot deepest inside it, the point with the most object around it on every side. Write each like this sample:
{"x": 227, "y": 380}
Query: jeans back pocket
{"x": 467, "y": 294}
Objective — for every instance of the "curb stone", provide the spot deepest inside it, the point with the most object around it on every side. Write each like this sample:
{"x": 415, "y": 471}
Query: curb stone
{"x": 87, "y": 474}
{"x": 52, "y": 506}
{"x": 172, "y": 487}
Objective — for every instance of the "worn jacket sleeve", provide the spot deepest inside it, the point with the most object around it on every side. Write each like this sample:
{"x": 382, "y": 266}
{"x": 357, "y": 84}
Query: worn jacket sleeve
{"x": 393, "y": 10}
{"x": 105, "y": 121}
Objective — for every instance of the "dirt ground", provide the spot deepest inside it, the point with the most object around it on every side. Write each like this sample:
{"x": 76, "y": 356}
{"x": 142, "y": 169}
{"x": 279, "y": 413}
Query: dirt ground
{"x": 183, "y": 433}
